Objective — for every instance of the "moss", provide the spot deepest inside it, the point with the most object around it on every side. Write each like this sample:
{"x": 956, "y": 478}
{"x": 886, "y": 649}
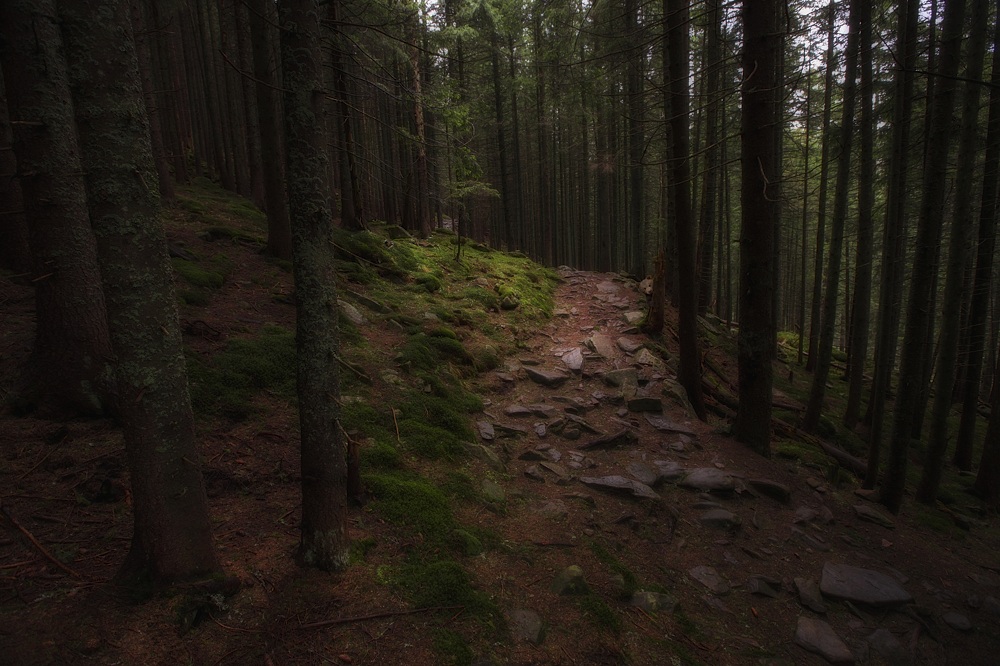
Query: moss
{"x": 415, "y": 503}
{"x": 460, "y": 485}
{"x": 197, "y": 276}
{"x": 380, "y": 455}
{"x": 193, "y": 297}
{"x": 465, "y": 542}
{"x": 227, "y": 383}
{"x": 357, "y": 416}
{"x": 360, "y": 549}
{"x": 393, "y": 259}
{"x": 451, "y": 647}
{"x": 439, "y": 412}
{"x": 486, "y": 298}
{"x": 631, "y": 583}
{"x": 429, "y": 441}
{"x": 442, "y": 332}
{"x": 428, "y": 282}
{"x": 444, "y": 583}
{"x": 356, "y": 273}
{"x": 599, "y": 613}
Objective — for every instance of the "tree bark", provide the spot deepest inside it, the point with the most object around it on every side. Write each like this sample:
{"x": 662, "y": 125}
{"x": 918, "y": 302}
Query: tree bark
{"x": 324, "y": 539}
{"x": 15, "y": 255}
{"x": 172, "y": 539}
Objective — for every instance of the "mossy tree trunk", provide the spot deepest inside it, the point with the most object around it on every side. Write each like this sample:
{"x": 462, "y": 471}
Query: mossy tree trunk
{"x": 172, "y": 540}
{"x": 324, "y": 467}
{"x": 72, "y": 347}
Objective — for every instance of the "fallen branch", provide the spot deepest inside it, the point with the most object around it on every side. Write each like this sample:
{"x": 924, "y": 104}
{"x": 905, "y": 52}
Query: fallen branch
{"x": 375, "y": 616}
{"x": 856, "y": 465}
{"x": 41, "y": 549}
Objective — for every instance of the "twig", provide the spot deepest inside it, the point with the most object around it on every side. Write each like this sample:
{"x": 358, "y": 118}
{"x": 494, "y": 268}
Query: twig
{"x": 37, "y": 464}
{"x": 375, "y": 616}
{"x": 36, "y": 544}
{"x": 398, "y": 441}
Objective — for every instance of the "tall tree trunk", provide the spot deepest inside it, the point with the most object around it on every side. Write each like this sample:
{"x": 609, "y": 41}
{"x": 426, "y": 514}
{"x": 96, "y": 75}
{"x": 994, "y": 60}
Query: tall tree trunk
{"x": 72, "y": 348}
{"x": 324, "y": 541}
{"x": 805, "y": 215}
{"x": 958, "y": 250}
{"x": 689, "y": 368}
{"x": 810, "y": 422}
{"x": 143, "y": 38}
{"x": 762, "y": 50}
{"x": 987, "y": 483}
{"x": 172, "y": 539}
{"x": 890, "y": 289}
{"x": 255, "y": 159}
{"x": 508, "y": 222}
{"x": 15, "y": 255}
{"x": 916, "y": 340}
{"x": 985, "y": 248}
{"x": 706, "y": 241}
{"x": 633, "y": 90}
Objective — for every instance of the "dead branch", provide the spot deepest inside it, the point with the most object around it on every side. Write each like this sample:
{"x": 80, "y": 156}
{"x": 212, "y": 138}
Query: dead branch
{"x": 376, "y": 616}
{"x": 34, "y": 542}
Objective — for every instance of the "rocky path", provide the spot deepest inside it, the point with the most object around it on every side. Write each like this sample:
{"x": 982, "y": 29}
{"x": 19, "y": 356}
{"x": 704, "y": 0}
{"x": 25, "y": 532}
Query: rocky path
{"x": 707, "y": 551}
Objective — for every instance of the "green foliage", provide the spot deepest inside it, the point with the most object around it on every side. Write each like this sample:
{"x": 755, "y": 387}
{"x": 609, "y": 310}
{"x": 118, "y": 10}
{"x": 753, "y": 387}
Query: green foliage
{"x": 599, "y": 613}
{"x": 413, "y": 502}
{"x": 440, "y": 412}
{"x": 429, "y": 441}
{"x": 488, "y": 299}
{"x": 444, "y": 583}
{"x": 227, "y": 384}
{"x": 193, "y": 297}
{"x": 452, "y": 648}
{"x": 374, "y": 252}
{"x": 360, "y": 549}
{"x": 358, "y": 416}
{"x": 380, "y": 455}
{"x": 196, "y": 275}
{"x": 460, "y": 485}
{"x": 429, "y": 282}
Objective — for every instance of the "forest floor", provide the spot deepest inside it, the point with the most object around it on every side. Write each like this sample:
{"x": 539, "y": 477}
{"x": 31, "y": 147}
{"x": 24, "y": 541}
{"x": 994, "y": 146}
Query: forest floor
{"x": 538, "y": 493}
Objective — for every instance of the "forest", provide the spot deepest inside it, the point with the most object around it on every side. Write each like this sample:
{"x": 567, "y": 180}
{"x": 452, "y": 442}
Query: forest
{"x": 284, "y": 283}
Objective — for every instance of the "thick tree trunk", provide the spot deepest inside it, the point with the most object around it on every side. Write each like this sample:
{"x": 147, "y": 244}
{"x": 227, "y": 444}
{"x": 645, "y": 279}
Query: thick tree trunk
{"x": 172, "y": 540}
{"x": 142, "y": 46}
{"x": 72, "y": 352}
{"x": 15, "y": 255}
{"x": 324, "y": 541}
{"x": 255, "y": 160}
{"x": 763, "y": 41}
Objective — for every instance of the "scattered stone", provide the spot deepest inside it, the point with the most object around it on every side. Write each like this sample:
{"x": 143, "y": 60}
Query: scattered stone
{"x": 710, "y": 578}
{"x": 493, "y": 492}
{"x": 538, "y": 453}
{"x": 573, "y": 359}
{"x": 653, "y": 601}
{"x": 544, "y": 411}
{"x": 815, "y": 542}
{"x": 556, "y": 469}
{"x": 505, "y": 377}
{"x": 643, "y": 473}
{"x": 486, "y": 454}
{"x": 620, "y": 484}
{"x": 352, "y": 313}
{"x": 957, "y": 621}
{"x": 644, "y": 404}
{"x": 669, "y": 470}
{"x": 504, "y": 430}
{"x": 883, "y": 643}
{"x": 673, "y": 391}
{"x": 535, "y": 474}
{"x": 873, "y": 515}
{"x": 550, "y": 378}
{"x": 526, "y": 625}
{"x": 773, "y": 489}
{"x": 623, "y": 377}
{"x": 584, "y": 424}
{"x": 622, "y": 437}
{"x": 486, "y": 430}
{"x": 633, "y": 317}
{"x": 721, "y": 519}
{"x": 570, "y": 581}
{"x": 541, "y": 430}
{"x": 716, "y": 603}
{"x": 628, "y": 345}
{"x": 601, "y": 345}
{"x": 819, "y": 637}
{"x": 571, "y": 432}
{"x": 664, "y": 424}
{"x": 556, "y": 510}
{"x": 809, "y": 594}
{"x": 607, "y": 287}
{"x": 517, "y": 410}
{"x": 759, "y": 586}
{"x": 817, "y": 485}
{"x": 842, "y": 581}
{"x": 648, "y": 358}
{"x": 708, "y": 479}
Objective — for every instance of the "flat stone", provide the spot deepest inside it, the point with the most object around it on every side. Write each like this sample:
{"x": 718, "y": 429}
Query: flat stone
{"x": 669, "y": 470}
{"x": 644, "y": 404}
{"x": 526, "y": 625}
{"x": 643, "y": 473}
{"x": 534, "y": 473}
{"x": 601, "y": 344}
{"x": 607, "y": 287}
{"x": 813, "y": 541}
{"x": 709, "y": 479}
{"x": 957, "y": 621}
{"x": 628, "y": 345}
{"x": 352, "y": 313}
{"x": 620, "y": 484}
{"x": 570, "y": 581}
{"x": 809, "y": 594}
{"x": 885, "y": 644}
{"x": 843, "y": 581}
{"x": 760, "y": 587}
{"x": 673, "y": 391}
{"x": 633, "y": 317}
{"x": 720, "y": 518}
{"x": 773, "y": 489}
{"x": 486, "y": 454}
{"x": 517, "y": 410}
{"x": 648, "y": 358}
{"x": 505, "y": 430}
{"x": 555, "y": 510}
{"x": 710, "y": 578}
{"x": 872, "y": 515}
{"x": 664, "y": 424}
{"x": 573, "y": 359}
{"x": 619, "y": 438}
{"x": 584, "y": 424}
{"x": 544, "y": 411}
{"x": 622, "y": 377}
{"x": 486, "y": 430}
{"x": 550, "y": 378}
{"x": 819, "y": 637}
{"x": 555, "y": 468}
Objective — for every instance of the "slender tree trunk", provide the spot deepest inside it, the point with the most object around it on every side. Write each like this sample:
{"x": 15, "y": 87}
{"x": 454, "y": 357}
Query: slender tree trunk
{"x": 805, "y": 217}
{"x": 636, "y": 141}
{"x": 143, "y": 37}
{"x": 762, "y": 50}
{"x": 15, "y": 255}
{"x": 985, "y": 247}
{"x": 987, "y": 484}
{"x": 172, "y": 541}
{"x": 72, "y": 349}
{"x": 324, "y": 466}
{"x": 508, "y": 222}
{"x": 861, "y": 310}
{"x": 916, "y": 340}
{"x": 254, "y": 148}
{"x": 706, "y": 242}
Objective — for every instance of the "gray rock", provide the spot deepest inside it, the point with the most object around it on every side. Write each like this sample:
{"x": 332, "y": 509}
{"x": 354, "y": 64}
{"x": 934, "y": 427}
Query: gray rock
{"x": 601, "y": 344}
{"x": 710, "y": 578}
{"x": 956, "y": 621}
{"x": 550, "y": 378}
{"x": 493, "y": 492}
{"x": 648, "y": 358}
{"x": 866, "y": 512}
{"x": 664, "y": 424}
{"x": 486, "y": 430}
{"x": 761, "y": 587}
{"x": 809, "y": 595}
{"x": 584, "y": 424}
{"x": 673, "y": 391}
{"x": 526, "y": 625}
{"x": 352, "y": 313}
{"x": 517, "y": 410}
{"x": 556, "y": 510}
{"x": 620, "y": 438}
{"x": 620, "y": 484}
{"x": 813, "y": 541}
{"x": 721, "y": 519}
{"x": 628, "y": 345}
{"x": 556, "y": 469}
{"x": 708, "y": 479}
{"x": 885, "y": 644}
{"x": 645, "y": 404}
{"x": 773, "y": 489}
{"x": 653, "y": 601}
{"x": 669, "y": 470}
{"x": 570, "y": 581}
{"x": 643, "y": 473}
{"x": 842, "y": 581}
{"x": 534, "y": 473}
{"x": 573, "y": 359}
{"x": 633, "y": 317}
{"x": 607, "y": 287}
{"x": 819, "y": 637}
{"x": 544, "y": 411}
{"x": 623, "y": 377}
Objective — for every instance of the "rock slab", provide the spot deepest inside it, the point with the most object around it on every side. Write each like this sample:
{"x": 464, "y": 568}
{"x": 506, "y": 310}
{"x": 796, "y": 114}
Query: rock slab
{"x": 842, "y": 581}
{"x": 819, "y": 637}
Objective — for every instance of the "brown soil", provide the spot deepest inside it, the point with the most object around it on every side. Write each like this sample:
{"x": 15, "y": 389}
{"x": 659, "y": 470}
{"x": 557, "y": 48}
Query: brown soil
{"x": 65, "y": 485}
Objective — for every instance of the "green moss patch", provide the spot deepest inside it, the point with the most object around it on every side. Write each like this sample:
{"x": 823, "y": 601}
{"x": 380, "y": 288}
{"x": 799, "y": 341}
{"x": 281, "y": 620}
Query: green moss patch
{"x": 429, "y": 441}
{"x": 412, "y": 502}
{"x": 197, "y": 276}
